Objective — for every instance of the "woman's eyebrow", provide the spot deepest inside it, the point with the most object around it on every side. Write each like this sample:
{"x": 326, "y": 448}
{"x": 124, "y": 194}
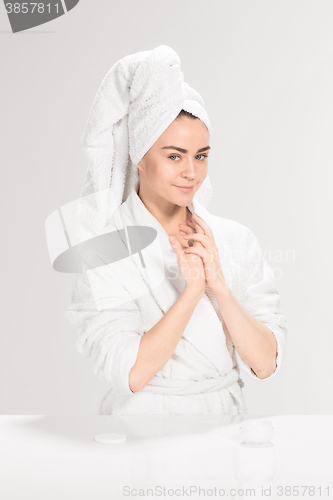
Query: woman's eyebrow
{"x": 185, "y": 150}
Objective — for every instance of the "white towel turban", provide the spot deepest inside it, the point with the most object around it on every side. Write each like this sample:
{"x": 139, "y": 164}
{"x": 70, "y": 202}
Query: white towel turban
{"x": 138, "y": 99}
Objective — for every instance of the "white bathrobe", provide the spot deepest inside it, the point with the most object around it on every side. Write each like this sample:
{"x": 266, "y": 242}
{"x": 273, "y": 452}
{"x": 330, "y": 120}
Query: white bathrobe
{"x": 114, "y": 305}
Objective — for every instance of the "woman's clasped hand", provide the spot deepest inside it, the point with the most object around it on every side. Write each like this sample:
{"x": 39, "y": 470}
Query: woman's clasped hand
{"x": 199, "y": 263}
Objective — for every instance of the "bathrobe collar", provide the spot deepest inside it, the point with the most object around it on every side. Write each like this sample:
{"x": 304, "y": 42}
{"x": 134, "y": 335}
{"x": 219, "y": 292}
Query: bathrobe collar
{"x": 137, "y": 207}
{"x": 134, "y": 209}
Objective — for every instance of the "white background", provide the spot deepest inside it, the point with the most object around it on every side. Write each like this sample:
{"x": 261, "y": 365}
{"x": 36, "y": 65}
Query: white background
{"x": 264, "y": 70}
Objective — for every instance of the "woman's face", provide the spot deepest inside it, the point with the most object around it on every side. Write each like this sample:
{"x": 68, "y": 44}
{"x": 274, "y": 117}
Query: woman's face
{"x": 179, "y": 157}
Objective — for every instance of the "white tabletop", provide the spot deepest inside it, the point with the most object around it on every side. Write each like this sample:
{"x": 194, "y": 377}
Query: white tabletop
{"x": 56, "y": 457}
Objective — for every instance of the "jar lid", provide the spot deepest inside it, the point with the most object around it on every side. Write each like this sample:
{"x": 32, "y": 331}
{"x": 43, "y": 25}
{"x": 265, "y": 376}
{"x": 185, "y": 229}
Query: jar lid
{"x": 256, "y": 431}
{"x": 111, "y": 438}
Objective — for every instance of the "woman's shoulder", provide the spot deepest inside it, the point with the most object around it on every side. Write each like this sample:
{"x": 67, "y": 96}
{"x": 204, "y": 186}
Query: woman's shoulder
{"x": 238, "y": 242}
{"x": 230, "y": 229}
{"x": 235, "y": 238}
{"x": 232, "y": 226}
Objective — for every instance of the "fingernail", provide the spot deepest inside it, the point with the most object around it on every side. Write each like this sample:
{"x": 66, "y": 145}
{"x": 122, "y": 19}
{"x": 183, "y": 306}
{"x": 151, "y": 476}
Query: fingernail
{"x": 172, "y": 241}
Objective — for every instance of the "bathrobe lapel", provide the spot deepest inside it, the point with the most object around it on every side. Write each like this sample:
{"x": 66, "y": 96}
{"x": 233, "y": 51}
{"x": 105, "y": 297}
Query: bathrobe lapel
{"x": 211, "y": 342}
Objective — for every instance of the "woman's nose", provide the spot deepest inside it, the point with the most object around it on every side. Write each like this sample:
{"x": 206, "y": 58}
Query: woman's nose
{"x": 190, "y": 169}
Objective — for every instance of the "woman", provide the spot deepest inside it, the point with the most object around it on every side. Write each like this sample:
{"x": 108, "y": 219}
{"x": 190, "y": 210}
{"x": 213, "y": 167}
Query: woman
{"x": 170, "y": 326}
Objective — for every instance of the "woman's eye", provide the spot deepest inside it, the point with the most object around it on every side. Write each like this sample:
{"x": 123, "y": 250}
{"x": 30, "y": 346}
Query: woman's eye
{"x": 177, "y": 156}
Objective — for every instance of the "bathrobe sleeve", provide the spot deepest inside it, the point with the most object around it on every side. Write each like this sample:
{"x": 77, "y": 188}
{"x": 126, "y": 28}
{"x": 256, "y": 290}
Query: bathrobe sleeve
{"x": 260, "y": 298}
{"x": 111, "y": 335}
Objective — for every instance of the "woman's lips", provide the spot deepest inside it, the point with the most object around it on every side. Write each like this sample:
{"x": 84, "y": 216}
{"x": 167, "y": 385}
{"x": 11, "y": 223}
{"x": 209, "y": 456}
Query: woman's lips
{"x": 185, "y": 189}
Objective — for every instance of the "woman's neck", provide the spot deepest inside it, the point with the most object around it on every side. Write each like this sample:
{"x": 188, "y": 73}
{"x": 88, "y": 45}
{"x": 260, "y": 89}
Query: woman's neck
{"x": 169, "y": 222}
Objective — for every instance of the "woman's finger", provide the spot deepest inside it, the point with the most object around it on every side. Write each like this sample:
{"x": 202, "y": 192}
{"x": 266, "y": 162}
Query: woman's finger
{"x": 202, "y": 227}
{"x": 212, "y": 265}
{"x": 196, "y": 224}
{"x": 202, "y": 238}
{"x": 197, "y": 250}
{"x": 188, "y": 229}
{"x": 197, "y": 229}
{"x": 185, "y": 228}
